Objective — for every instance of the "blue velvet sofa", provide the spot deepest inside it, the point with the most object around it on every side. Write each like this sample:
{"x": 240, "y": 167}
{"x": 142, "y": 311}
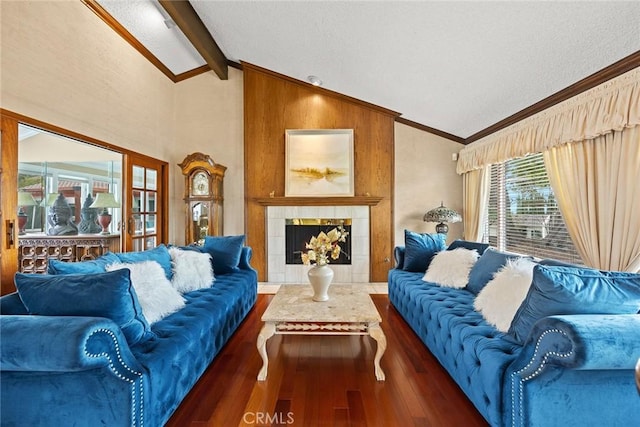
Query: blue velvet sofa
{"x": 571, "y": 370}
{"x": 82, "y": 371}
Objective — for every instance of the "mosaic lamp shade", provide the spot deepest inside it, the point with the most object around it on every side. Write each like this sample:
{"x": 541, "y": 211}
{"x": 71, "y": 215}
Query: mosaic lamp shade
{"x": 442, "y": 215}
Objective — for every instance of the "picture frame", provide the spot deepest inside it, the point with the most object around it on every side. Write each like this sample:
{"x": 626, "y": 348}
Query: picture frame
{"x": 319, "y": 163}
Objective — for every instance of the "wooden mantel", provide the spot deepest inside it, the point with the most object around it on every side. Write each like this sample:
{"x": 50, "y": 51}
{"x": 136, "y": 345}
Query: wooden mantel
{"x": 317, "y": 201}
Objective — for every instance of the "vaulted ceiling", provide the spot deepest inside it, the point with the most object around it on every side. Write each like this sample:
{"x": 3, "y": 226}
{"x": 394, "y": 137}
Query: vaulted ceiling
{"x": 458, "y": 67}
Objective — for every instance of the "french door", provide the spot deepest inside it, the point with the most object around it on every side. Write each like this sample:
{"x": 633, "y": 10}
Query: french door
{"x": 146, "y": 193}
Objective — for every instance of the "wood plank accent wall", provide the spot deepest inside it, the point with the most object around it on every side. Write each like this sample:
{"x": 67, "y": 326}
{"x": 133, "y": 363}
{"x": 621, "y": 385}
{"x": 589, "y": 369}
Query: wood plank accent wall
{"x": 274, "y": 103}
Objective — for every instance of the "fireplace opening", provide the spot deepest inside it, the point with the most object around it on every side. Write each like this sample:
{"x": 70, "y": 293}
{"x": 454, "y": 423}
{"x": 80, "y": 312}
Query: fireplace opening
{"x": 298, "y": 231}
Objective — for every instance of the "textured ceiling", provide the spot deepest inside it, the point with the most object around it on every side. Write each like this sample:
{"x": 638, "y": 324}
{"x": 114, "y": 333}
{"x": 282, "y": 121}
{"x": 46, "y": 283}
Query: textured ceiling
{"x": 455, "y": 66}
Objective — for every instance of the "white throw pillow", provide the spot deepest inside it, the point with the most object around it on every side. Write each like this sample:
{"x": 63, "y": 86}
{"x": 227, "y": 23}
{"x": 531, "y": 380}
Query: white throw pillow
{"x": 451, "y": 268}
{"x": 499, "y": 300}
{"x": 191, "y": 270}
{"x": 157, "y": 297}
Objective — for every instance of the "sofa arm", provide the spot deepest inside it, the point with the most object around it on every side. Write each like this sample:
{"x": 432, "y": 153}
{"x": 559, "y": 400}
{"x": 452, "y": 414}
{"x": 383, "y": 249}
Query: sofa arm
{"x": 582, "y": 342}
{"x": 245, "y": 258}
{"x": 64, "y": 344}
{"x": 576, "y": 370}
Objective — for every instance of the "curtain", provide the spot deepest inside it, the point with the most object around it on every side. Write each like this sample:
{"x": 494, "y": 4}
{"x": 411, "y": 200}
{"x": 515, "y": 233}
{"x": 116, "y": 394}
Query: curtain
{"x": 596, "y": 184}
{"x": 475, "y": 188}
{"x": 613, "y": 105}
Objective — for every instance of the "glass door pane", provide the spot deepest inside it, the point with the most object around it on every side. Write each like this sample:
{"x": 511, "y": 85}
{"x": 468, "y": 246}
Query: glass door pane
{"x": 146, "y": 228}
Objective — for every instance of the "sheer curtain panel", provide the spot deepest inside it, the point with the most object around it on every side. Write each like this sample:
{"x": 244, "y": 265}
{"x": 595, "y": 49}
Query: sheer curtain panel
{"x": 475, "y": 187}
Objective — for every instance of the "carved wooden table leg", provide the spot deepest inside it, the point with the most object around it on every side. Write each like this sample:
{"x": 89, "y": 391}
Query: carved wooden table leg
{"x": 267, "y": 331}
{"x": 375, "y": 331}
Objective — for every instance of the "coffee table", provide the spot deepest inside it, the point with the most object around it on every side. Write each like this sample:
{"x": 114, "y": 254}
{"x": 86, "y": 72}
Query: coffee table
{"x": 349, "y": 311}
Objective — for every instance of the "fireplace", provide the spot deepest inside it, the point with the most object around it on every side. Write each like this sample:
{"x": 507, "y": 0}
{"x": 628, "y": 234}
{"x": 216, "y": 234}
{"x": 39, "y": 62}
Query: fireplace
{"x": 278, "y": 217}
{"x": 298, "y": 231}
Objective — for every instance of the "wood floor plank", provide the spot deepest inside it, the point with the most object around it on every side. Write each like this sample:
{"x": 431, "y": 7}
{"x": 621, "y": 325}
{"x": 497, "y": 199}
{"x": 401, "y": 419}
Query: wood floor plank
{"x": 357, "y": 414}
{"x": 341, "y": 417}
{"x": 326, "y": 381}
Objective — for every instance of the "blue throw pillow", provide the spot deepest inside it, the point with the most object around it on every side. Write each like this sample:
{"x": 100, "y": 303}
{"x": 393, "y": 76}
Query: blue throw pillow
{"x": 419, "y": 249}
{"x": 108, "y": 294}
{"x": 160, "y": 254}
{"x": 466, "y": 244}
{"x": 225, "y": 252}
{"x": 488, "y": 264}
{"x": 85, "y": 267}
{"x": 567, "y": 290}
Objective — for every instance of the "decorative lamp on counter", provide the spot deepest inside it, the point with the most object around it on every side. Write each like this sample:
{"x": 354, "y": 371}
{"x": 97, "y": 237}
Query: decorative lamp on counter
{"x": 24, "y": 199}
{"x": 104, "y": 201}
{"x": 442, "y": 215}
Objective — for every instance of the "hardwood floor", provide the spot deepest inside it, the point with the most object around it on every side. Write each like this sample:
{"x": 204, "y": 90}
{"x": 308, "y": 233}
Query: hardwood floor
{"x": 326, "y": 381}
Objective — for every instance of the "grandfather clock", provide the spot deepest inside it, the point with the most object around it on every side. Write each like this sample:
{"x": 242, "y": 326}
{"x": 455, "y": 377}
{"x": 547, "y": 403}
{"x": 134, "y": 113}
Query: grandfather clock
{"x": 203, "y": 197}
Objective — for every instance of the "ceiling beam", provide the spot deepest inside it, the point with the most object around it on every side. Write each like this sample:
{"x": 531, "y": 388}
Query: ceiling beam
{"x": 194, "y": 29}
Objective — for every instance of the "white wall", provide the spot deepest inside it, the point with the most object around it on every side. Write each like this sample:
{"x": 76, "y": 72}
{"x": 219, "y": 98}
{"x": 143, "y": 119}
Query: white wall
{"x": 209, "y": 119}
{"x": 425, "y": 175}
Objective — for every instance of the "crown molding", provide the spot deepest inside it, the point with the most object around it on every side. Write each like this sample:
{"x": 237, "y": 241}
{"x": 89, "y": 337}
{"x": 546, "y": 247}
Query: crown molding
{"x": 128, "y": 37}
{"x": 429, "y": 129}
{"x": 616, "y": 69}
{"x": 192, "y": 73}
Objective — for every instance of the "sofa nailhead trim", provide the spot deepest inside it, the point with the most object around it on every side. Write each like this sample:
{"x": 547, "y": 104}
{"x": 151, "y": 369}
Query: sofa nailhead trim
{"x": 538, "y": 371}
{"x": 119, "y": 375}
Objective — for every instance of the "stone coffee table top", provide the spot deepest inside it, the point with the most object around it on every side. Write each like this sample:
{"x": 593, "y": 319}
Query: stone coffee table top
{"x": 347, "y": 303}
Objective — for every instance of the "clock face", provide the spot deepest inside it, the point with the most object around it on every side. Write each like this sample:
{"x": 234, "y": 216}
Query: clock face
{"x": 200, "y": 184}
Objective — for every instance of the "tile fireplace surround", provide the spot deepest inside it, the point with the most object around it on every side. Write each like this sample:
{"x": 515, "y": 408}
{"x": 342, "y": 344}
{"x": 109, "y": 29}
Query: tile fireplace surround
{"x": 280, "y": 272}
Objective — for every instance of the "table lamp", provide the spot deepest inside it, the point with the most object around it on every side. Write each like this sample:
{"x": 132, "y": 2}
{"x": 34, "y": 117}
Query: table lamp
{"x": 104, "y": 201}
{"x": 442, "y": 215}
{"x": 24, "y": 199}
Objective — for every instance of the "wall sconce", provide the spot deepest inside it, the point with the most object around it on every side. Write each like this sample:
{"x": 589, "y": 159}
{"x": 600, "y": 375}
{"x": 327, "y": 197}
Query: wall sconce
{"x": 104, "y": 201}
{"x": 441, "y": 215}
{"x": 24, "y": 199}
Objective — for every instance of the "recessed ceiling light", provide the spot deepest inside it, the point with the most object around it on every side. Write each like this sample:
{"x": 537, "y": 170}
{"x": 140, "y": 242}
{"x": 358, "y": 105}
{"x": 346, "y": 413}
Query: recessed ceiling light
{"x": 314, "y": 81}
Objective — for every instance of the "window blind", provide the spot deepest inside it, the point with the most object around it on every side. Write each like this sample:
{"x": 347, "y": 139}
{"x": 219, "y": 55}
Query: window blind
{"x": 523, "y": 216}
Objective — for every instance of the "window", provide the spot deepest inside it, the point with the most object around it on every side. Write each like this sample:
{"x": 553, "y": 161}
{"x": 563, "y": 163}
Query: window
{"x": 51, "y": 164}
{"x": 523, "y": 216}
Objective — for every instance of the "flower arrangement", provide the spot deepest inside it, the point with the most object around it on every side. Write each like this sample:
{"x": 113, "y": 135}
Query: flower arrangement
{"x": 323, "y": 246}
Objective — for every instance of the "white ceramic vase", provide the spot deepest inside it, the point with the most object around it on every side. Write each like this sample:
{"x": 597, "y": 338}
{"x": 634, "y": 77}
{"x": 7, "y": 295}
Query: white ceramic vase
{"x": 320, "y": 277}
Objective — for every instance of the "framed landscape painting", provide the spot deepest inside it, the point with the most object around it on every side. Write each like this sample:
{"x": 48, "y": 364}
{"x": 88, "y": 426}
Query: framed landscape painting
{"x": 319, "y": 162}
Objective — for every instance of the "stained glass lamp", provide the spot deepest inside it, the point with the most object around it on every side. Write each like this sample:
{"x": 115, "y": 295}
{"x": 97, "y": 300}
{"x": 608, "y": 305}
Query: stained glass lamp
{"x": 442, "y": 215}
